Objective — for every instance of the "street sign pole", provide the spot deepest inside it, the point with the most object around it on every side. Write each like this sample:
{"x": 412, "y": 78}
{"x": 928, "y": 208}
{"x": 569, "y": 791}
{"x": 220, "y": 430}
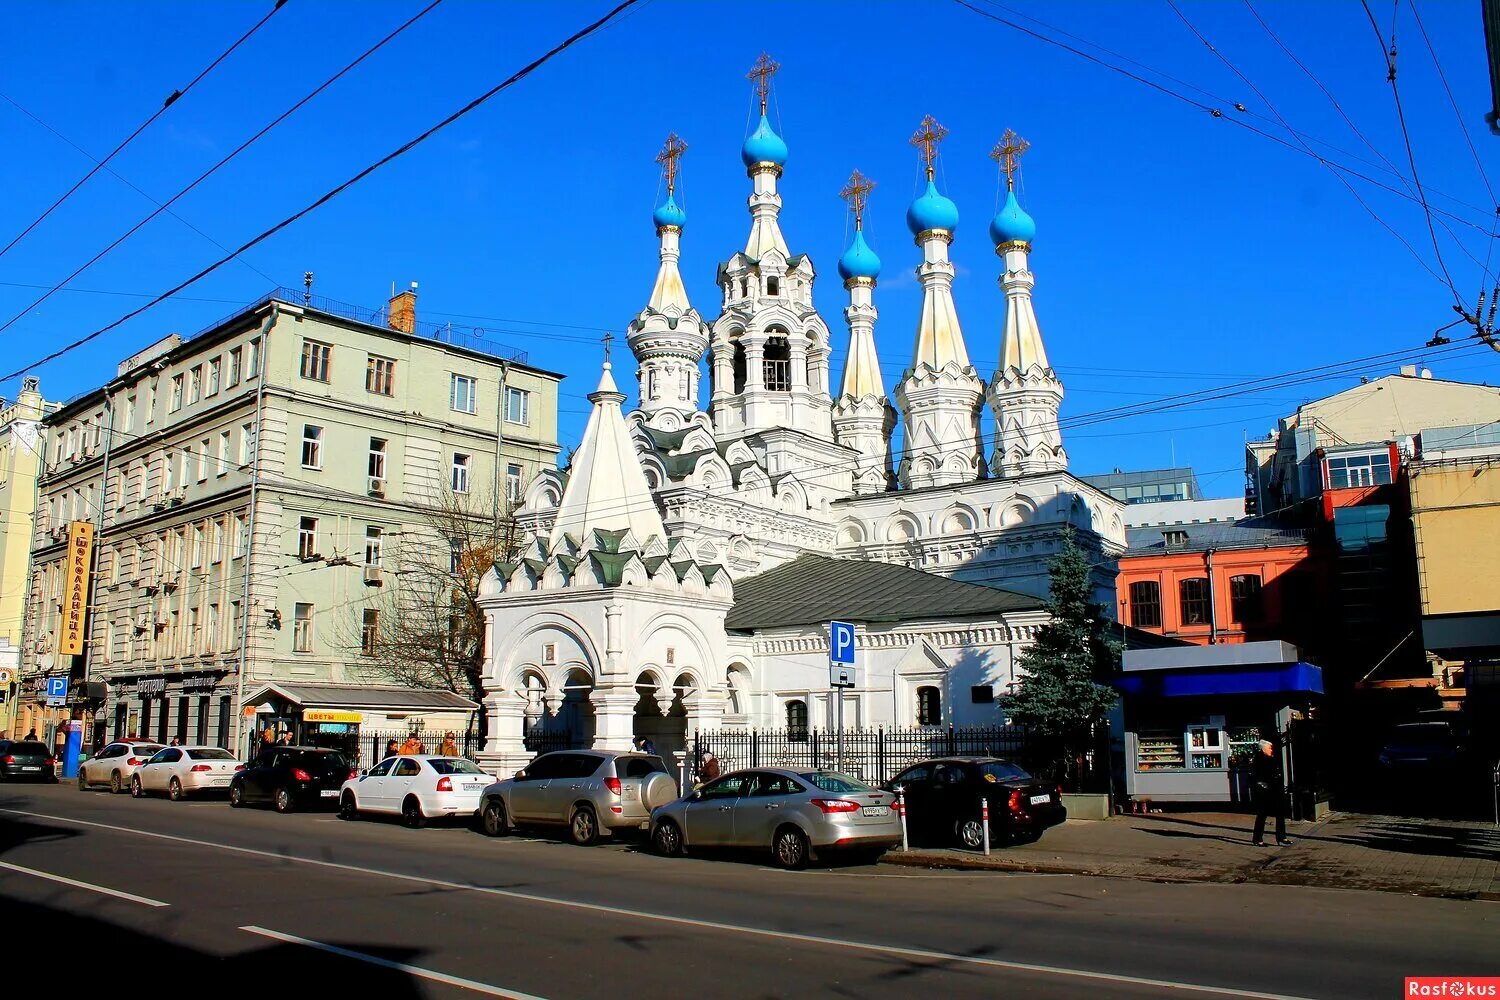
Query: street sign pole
{"x": 840, "y": 676}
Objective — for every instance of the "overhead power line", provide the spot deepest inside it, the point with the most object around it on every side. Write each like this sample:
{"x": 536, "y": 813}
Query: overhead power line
{"x": 217, "y": 166}
{"x": 172, "y": 99}
{"x": 404, "y": 148}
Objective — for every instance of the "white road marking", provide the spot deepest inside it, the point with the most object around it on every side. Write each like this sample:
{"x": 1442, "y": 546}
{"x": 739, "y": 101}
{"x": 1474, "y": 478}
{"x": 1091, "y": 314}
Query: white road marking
{"x": 385, "y": 963}
{"x": 91, "y": 887}
{"x": 922, "y": 954}
{"x": 977, "y": 875}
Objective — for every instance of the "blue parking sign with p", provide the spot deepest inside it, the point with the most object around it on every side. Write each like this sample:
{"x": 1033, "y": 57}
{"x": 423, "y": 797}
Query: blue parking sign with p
{"x": 841, "y": 642}
{"x": 57, "y": 687}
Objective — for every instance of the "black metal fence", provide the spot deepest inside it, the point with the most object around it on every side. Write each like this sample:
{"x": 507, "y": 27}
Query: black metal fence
{"x": 373, "y": 743}
{"x": 872, "y": 755}
{"x": 545, "y": 741}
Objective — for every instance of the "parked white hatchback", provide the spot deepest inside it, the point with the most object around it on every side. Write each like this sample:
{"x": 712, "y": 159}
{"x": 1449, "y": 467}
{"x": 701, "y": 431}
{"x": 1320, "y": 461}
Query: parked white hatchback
{"x": 417, "y": 788}
{"x": 183, "y": 771}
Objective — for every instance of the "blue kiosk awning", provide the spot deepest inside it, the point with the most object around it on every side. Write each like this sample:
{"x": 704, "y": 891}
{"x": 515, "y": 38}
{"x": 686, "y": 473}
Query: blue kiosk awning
{"x": 1271, "y": 678}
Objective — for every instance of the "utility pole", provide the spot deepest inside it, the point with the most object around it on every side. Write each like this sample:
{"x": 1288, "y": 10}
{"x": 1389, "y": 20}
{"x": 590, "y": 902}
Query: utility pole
{"x": 1491, "y": 11}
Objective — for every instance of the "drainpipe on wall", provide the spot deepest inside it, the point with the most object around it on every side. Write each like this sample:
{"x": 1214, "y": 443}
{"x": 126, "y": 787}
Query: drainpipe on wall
{"x": 260, "y": 411}
{"x": 1213, "y": 602}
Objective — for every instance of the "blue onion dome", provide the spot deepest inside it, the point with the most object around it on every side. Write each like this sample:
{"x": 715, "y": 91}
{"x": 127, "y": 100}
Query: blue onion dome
{"x": 764, "y": 146}
{"x": 931, "y": 211}
{"x": 859, "y": 261}
{"x": 1012, "y": 225}
{"x": 669, "y": 214}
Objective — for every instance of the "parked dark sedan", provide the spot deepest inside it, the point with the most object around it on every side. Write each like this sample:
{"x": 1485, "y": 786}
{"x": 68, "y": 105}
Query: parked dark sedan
{"x": 291, "y": 778}
{"x": 1422, "y": 746}
{"x": 26, "y": 760}
{"x": 944, "y": 801}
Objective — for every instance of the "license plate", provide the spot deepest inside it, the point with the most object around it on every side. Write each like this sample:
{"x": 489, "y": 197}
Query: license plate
{"x": 1037, "y": 800}
{"x": 221, "y": 781}
{"x": 31, "y": 768}
{"x": 476, "y": 787}
{"x": 331, "y": 793}
{"x": 877, "y": 810}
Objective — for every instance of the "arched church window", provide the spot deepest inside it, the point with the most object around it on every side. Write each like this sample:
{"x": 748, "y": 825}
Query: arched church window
{"x": 737, "y": 363}
{"x": 796, "y": 721}
{"x": 778, "y": 363}
{"x": 773, "y": 286}
{"x": 929, "y": 706}
{"x": 744, "y": 287}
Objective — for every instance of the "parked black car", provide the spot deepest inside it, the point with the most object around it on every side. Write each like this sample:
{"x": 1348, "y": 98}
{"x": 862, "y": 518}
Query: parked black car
{"x": 291, "y": 778}
{"x": 26, "y": 760}
{"x": 944, "y": 801}
{"x": 1425, "y": 747}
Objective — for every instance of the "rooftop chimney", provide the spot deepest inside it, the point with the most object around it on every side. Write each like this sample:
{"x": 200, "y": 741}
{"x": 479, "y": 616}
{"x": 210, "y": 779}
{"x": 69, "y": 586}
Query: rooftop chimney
{"x": 402, "y": 314}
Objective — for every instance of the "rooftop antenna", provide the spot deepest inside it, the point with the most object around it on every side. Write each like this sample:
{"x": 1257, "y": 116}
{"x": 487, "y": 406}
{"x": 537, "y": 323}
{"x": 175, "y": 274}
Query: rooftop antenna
{"x": 307, "y": 280}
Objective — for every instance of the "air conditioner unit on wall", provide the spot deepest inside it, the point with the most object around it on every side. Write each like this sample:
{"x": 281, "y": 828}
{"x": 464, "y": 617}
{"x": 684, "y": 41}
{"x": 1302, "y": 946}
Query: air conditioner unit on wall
{"x": 377, "y": 488}
{"x": 374, "y": 576}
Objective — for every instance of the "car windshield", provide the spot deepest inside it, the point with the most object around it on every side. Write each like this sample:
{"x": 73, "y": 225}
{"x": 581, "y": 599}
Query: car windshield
{"x": 1003, "y": 770}
{"x": 210, "y": 753}
{"x": 29, "y": 749}
{"x": 829, "y": 781}
{"x": 1422, "y": 732}
{"x": 454, "y": 765}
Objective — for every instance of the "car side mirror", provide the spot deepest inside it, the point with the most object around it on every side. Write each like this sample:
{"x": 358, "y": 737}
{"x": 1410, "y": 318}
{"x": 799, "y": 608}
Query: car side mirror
{"x": 521, "y": 775}
{"x": 695, "y": 795}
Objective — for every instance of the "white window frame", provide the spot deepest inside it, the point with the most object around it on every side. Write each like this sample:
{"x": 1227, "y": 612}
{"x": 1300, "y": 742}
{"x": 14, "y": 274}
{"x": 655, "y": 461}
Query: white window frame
{"x": 462, "y": 466}
{"x": 515, "y": 483}
{"x": 317, "y": 361}
{"x": 175, "y": 401}
{"x": 252, "y": 358}
{"x": 312, "y": 447}
{"x": 520, "y": 413}
{"x": 215, "y": 369}
{"x": 236, "y": 358}
{"x": 374, "y": 544}
{"x": 376, "y": 467}
{"x": 307, "y": 537}
{"x": 302, "y": 627}
{"x": 470, "y": 385}
{"x": 380, "y": 375}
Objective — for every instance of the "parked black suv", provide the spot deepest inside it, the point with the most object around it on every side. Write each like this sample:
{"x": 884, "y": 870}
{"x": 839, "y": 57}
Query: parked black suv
{"x": 291, "y": 778}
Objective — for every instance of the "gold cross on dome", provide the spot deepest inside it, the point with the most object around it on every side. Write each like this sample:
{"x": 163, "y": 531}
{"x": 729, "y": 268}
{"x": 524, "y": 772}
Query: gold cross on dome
{"x": 928, "y": 136}
{"x": 857, "y": 194}
{"x": 671, "y": 152}
{"x": 765, "y": 67}
{"x": 1007, "y": 153}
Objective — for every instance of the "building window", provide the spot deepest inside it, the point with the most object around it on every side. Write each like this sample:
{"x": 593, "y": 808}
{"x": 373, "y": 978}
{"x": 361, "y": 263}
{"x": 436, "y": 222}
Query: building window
{"x": 796, "y": 721}
{"x": 1245, "y": 598}
{"x": 193, "y": 641}
{"x": 203, "y": 451}
{"x": 236, "y": 358}
{"x": 373, "y": 544}
{"x": 312, "y": 446}
{"x": 651, "y": 387}
{"x": 307, "y": 538}
{"x": 241, "y": 532}
{"x": 549, "y": 653}
{"x": 460, "y": 473}
{"x": 369, "y": 632}
{"x": 202, "y": 720}
{"x": 175, "y": 402}
{"x": 1145, "y": 604}
{"x": 213, "y": 378}
{"x": 315, "y": 359}
{"x": 517, "y": 406}
{"x": 376, "y": 465}
{"x": 129, "y": 412}
{"x": 982, "y": 694}
{"x": 195, "y": 384}
{"x": 151, "y": 401}
{"x": 252, "y": 358}
{"x": 187, "y": 466}
{"x": 776, "y": 365}
{"x": 211, "y": 639}
{"x": 197, "y": 547}
{"x": 380, "y": 376}
{"x": 929, "y": 706}
{"x": 216, "y": 547}
{"x": 223, "y": 453}
{"x": 513, "y": 483}
{"x": 773, "y": 286}
{"x": 236, "y": 621}
{"x": 462, "y": 394}
{"x": 302, "y": 628}
{"x": 1359, "y": 470}
{"x": 247, "y": 443}
{"x": 1192, "y": 594}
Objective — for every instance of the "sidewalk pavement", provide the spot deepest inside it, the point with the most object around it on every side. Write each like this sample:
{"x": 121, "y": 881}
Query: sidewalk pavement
{"x": 1451, "y": 858}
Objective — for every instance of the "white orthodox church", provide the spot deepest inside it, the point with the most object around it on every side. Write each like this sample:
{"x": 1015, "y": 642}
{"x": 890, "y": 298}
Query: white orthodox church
{"x": 679, "y": 575}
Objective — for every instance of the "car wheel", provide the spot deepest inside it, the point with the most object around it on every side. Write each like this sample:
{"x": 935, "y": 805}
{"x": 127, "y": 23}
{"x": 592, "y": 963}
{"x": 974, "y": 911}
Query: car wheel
{"x": 411, "y": 813}
{"x": 83, "y": 781}
{"x": 790, "y": 847}
{"x": 970, "y": 833}
{"x": 116, "y": 784}
{"x": 174, "y": 790}
{"x": 348, "y": 808}
{"x": 236, "y": 796}
{"x": 136, "y": 789}
{"x": 282, "y": 800}
{"x": 492, "y": 819}
{"x": 583, "y": 828}
{"x": 666, "y": 839}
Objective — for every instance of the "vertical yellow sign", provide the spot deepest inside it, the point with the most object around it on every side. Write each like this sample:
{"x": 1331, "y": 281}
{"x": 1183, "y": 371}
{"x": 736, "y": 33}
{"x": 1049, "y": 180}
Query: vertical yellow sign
{"x": 76, "y": 587}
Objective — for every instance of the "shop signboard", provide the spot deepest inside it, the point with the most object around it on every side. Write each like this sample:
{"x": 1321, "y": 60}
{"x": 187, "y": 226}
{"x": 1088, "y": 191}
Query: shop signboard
{"x": 151, "y": 687}
{"x": 330, "y": 715}
{"x": 76, "y": 587}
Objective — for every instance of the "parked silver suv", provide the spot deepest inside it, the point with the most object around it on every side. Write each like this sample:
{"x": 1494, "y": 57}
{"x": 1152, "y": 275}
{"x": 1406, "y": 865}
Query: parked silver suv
{"x": 588, "y": 791}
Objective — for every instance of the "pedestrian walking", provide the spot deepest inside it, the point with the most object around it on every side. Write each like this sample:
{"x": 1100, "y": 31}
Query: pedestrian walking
{"x": 1268, "y": 793}
{"x": 449, "y": 747}
{"x": 392, "y": 748}
{"x": 709, "y": 769}
{"x": 31, "y": 735}
{"x": 411, "y": 746}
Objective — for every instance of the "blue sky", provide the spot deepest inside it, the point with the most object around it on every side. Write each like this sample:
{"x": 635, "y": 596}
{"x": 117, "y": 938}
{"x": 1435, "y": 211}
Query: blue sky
{"x": 1175, "y": 251}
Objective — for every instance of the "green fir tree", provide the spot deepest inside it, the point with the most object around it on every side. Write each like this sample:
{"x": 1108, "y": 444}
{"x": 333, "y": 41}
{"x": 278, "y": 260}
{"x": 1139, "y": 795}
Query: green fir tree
{"x": 1064, "y": 690}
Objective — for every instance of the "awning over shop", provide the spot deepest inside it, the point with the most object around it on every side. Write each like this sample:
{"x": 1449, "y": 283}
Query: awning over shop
{"x": 1271, "y": 678}
{"x": 352, "y": 698}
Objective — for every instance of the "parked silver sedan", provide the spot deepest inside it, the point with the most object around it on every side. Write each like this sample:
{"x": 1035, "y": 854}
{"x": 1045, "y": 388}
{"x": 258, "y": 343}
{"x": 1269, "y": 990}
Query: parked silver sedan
{"x": 793, "y": 813}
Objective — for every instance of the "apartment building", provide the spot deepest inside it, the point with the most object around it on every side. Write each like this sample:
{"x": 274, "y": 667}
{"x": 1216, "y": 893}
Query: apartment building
{"x": 253, "y": 487}
{"x": 20, "y": 460}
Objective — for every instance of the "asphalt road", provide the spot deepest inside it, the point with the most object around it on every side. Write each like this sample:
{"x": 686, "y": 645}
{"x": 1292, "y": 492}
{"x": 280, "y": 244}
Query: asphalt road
{"x": 306, "y": 901}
